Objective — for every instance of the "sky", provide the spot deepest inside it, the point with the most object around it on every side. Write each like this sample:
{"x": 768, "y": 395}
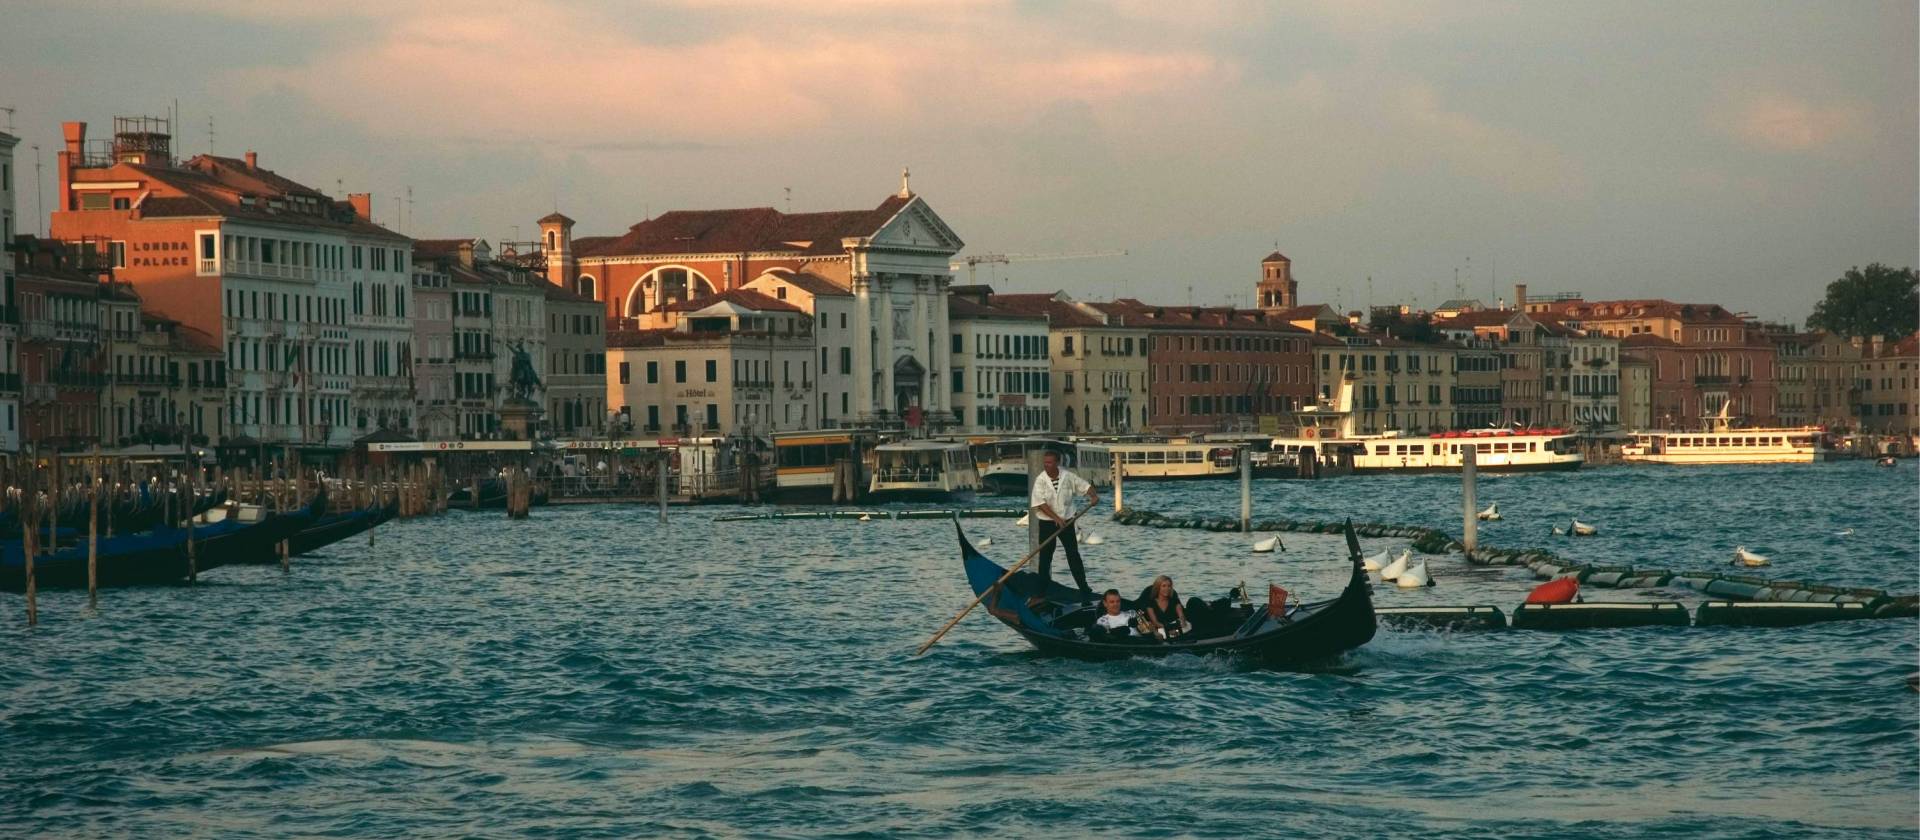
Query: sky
{"x": 1731, "y": 152}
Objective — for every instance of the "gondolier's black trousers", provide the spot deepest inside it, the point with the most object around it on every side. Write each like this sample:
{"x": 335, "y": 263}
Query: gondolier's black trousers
{"x": 1047, "y": 529}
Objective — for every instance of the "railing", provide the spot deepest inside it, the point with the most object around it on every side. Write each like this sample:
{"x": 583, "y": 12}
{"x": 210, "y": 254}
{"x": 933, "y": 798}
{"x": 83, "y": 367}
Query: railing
{"x": 209, "y": 266}
{"x": 1712, "y": 380}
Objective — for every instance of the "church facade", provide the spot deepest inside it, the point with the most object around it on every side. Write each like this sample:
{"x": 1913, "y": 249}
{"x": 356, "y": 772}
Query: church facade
{"x": 892, "y": 261}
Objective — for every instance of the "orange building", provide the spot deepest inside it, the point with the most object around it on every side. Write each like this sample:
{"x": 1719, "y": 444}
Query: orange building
{"x": 1704, "y": 357}
{"x": 308, "y": 296}
{"x": 892, "y": 260}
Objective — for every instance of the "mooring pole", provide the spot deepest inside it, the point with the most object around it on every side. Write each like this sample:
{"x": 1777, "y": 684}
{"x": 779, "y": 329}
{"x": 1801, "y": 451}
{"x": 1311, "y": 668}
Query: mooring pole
{"x": 93, "y": 530}
{"x": 1119, "y": 476}
{"x": 660, "y": 484}
{"x": 28, "y": 523}
{"x": 1470, "y": 529}
{"x": 1246, "y": 489}
{"x": 1034, "y": 470}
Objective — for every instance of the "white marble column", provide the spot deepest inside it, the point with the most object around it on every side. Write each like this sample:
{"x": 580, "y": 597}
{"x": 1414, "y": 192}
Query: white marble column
{"x": 862, "y": 347}
{"x": 884, "y": 344}
{"x": 942, "y": 348}
{"x": 922, "y": 353}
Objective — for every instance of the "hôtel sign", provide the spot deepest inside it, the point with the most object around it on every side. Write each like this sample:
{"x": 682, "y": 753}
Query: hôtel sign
{"x": 157, "y": 254}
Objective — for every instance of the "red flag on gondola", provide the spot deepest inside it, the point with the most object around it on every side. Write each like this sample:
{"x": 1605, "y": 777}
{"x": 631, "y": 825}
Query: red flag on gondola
{"x": 1276, "y": 602}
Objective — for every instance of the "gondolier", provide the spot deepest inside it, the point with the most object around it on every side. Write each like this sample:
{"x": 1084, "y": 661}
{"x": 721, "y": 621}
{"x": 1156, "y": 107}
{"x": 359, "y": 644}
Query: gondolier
{"x": 1053, "y": 493}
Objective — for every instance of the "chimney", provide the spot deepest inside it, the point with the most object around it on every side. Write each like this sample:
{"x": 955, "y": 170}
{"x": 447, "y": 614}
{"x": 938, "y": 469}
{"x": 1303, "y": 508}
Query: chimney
{"x": 68, "y": 159}
{"x": 362, "y": 205}
{"x": 1520, "y": 297}
{"x": 466, "y": 253}
{"x": 253, "y": 160}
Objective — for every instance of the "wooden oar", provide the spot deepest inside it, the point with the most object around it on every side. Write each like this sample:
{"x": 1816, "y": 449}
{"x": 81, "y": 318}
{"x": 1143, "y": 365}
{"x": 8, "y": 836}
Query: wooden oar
{"x": 1003, "y": 579}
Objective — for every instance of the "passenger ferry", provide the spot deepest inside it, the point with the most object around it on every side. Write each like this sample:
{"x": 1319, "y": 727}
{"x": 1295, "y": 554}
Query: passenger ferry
{"x": 923, "y": 470}
{"x": 1003, "y": 463}
{"x": 1178, "y": 459}
{"x": 1723, "y": 444}
{"x": 804, "y": 463}
{"x": 1329, "y": 429}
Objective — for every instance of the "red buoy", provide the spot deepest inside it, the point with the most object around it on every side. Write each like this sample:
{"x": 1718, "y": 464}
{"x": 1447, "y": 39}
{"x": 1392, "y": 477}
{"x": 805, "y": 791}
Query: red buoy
{"x": 1556, "y": 591}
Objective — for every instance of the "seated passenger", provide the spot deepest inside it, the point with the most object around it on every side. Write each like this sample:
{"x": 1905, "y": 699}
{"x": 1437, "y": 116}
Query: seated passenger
{"x": 1114, "y": 623}
{"x": 1165, "y": 615}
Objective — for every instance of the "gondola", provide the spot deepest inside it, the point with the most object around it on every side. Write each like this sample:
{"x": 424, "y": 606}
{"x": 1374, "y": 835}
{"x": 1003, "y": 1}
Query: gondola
{"x": 233, "y": 543}
{"x": 1307, "y": 633}
{"x": 154, "y": 557}
{"x": 334, "y": 527}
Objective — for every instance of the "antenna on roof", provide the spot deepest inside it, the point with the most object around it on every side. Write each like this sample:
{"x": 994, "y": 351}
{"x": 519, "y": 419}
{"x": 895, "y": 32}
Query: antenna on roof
{"x": 409, "y": 221}
{"x": 789, "y": 192}
{"x": 210, "y": 134}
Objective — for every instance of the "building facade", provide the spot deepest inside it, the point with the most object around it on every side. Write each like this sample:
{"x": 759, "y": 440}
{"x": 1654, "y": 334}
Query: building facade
{"x": 1098, "y": 365}
{"x": 1889, "y": 391}
{"x": 1219, "y": 369}
{"x": 1397, "y": 385}
{"x": 831, "y": 306}
{"x": 307, "y": 294}
{"x": 576, "y": 379}
{"x": 1817, "y": 372}
{"x": 1711, "y": 357}
{"x": 436, "y": 409}
{"x": 1594, "y": 392}
{"x": 61, "y": 352}
{"x": 9, "y": 305}
{"x": 734, "y": 363}
{"x": 1476, "y": 386}
{"x": 892, "y": 260}
{"x": 1001, "y": 375}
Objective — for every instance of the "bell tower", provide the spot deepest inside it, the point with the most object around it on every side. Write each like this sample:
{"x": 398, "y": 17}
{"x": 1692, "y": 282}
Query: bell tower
{"x": 556, "y": 242}
{"x": 1277, "y": 288}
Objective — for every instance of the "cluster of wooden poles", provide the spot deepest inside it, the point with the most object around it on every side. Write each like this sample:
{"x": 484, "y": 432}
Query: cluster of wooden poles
{"x": 37, "y": 488}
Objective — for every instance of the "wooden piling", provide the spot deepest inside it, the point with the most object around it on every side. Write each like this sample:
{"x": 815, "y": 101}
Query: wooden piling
{"x": 660, "y": 484}
{"x": 27, "y": 549}
{"x": 93, "y": 530}
{"x": 1469, "y": 467}
{"x": 1246, "y": 489}
{"x": 1119, "y": 476}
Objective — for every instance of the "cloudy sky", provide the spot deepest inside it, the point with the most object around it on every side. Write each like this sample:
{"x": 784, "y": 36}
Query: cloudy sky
{"x": 1744, "y": 153}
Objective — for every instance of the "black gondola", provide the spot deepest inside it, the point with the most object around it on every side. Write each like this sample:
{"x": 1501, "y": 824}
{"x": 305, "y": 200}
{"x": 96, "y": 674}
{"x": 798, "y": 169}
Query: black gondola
{"x": 1306, "y": 633}
{"x": 335, "y": 527}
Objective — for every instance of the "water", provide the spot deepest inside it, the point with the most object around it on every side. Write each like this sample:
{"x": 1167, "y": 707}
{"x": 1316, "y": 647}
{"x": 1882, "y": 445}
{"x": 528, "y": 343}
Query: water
{"x": 588, "y": 674}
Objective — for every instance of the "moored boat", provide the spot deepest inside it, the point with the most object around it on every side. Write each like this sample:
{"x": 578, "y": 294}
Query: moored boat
{"x": 1719, "y": 442}
{"x": 923, "y": 470}
{"x": 1299, "y": 634}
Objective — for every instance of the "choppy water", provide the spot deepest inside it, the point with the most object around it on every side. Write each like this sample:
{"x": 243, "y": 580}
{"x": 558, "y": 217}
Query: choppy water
{"x": 590, "y": 674}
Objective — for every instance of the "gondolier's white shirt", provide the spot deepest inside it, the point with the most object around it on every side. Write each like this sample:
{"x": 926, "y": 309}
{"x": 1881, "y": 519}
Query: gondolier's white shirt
{"x": 1058, "y": 492}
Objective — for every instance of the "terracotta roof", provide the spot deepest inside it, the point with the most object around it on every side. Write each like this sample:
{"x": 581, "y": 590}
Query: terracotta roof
{"x": 966, "y": 307}
{"x": 740, "y": 297}
{"x": 209, "y": 185}
{"x": 566, "y": 295}
{"x": 195, "y": 340}
{"x": 809, "y": 282}
{"x": 1194, "y": 317}
{"x": 744, "y": 229}
{"x": 439, "y": 247}
{"x": 554, "y": 217}
{"x": 1478, "y": 318}
{"x": 636, "y": 338}
{"x": 1059, "y": 312}
{"x": 1314, "y": 311}
{"x": 1597, "y": 310}
{"x": 1909, "y": 346}
{"x": 1646, "y": 340}
{"x": 1276, "y": 257}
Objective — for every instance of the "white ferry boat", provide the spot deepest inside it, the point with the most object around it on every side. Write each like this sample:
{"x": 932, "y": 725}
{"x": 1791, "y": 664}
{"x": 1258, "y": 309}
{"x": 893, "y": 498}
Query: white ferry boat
{"x": 1720, "y": 443}
{"x": 1179, "y": 459}
{"x": 923, "y": 470}
{"x": 1326, "y": 428}
{"x": 1003, "y": 462}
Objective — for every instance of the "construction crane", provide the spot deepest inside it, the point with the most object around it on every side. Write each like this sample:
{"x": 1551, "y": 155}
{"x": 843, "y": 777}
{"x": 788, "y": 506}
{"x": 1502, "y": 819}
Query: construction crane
{"x": 972, "y": 263}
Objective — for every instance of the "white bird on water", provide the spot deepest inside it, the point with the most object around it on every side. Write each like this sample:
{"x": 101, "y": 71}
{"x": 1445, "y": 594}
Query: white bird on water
{"x": 1582, "y": 529}
{"x": 1266, "y": 545}
{"x": 866, "y": 517}
{"x": 1847, "y": 532}
{"x": 984, "y": 542}
{"x": 1095, "y": 539}
{"x": 1491, "y": 514}
{"x": 1743, "y": 557}
{"x": 1022, "y": 521}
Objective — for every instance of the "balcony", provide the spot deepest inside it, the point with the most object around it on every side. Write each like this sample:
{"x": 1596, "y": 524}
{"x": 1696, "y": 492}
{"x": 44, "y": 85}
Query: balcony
{"x": 1712, "y": 380}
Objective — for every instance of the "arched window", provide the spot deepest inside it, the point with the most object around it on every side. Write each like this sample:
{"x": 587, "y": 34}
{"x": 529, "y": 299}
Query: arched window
{"x": 550, "y": 241}
{"x": 585, "y": 286}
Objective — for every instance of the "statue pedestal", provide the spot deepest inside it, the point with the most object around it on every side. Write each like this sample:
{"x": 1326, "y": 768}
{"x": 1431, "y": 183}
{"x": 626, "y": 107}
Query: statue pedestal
{"x": 520, "y": 418}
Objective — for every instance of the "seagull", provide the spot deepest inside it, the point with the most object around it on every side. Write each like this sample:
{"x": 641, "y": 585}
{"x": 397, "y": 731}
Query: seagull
{"x": 1266, "y": 545}
{"x": 1095, "y": 539}
{"x": 866, "y": 517}
{"x": 1847, "y": 532}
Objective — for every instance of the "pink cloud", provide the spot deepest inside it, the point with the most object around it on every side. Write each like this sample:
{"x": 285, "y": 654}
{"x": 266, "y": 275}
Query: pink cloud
{"x": 1786, "y": 123}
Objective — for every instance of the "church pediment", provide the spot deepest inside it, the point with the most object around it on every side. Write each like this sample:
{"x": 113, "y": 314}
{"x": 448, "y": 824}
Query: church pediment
{"x": 917, "y": 226}
{"x": 906, "y": 368}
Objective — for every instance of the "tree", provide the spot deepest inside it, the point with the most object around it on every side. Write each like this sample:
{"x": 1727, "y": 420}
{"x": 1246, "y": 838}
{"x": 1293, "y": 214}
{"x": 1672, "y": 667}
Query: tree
{"x": 1876, "y": 300}
{"x": 1416, "y": 328}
